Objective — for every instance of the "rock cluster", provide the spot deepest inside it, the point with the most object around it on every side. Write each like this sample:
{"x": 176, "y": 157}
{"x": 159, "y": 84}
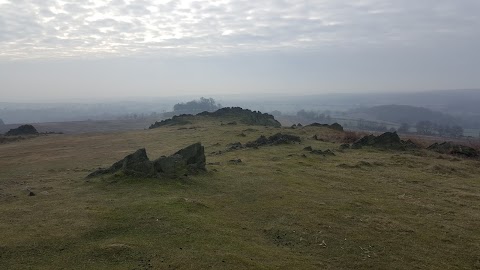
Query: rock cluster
{"x": 451, "y": 148}
{"x": 388, "y": 140}
{"x": 276, "y": 139}
{"x": 245, "y": 116}
{"x": 174, "y": 121}
{"x": 22, "y": 130}
{"x": 334, "y": 126}
{"x": 186, "y": 161}
{"x": 327, "y": 152}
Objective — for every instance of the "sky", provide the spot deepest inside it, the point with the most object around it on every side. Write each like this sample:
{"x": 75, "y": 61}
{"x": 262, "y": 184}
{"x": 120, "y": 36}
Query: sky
{"x": 61, "y": 49}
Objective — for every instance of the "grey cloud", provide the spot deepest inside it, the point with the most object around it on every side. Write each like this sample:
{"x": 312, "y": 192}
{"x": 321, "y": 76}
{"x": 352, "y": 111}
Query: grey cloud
{"x": 34, "y": 28}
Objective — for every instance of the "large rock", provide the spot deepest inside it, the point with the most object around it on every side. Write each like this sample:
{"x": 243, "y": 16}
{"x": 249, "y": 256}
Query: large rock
{"x": 451, "y": 148}
{"x": 245, "y": 116}
{"x": 388, "y": 140}
{"x": 176, "y": 120}
{"x": 334, "y": 126}
{"x": 22, "y": 130}
{"x": 276, "y": 139}
{"x": 186, "y": 161}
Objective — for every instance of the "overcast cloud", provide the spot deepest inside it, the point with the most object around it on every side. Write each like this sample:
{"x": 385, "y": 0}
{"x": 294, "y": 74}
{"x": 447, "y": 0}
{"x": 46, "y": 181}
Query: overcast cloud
{"x": 381, "y": 34}
{"x": 96, "y": 28}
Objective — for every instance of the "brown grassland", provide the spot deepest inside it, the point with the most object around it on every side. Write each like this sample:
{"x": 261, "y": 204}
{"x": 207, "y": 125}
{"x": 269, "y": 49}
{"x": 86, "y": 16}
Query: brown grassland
{"x": 360, "y": 209}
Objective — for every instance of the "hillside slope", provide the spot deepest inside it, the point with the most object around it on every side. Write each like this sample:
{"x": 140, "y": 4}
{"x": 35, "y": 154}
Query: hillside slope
{"x": 269, "y": 207}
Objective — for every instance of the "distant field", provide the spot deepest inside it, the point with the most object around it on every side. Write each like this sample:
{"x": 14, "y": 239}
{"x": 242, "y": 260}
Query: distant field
{"x": 78, "y": 127}
{"x": 278, "y": 209}
{"x": 472, "y": 132}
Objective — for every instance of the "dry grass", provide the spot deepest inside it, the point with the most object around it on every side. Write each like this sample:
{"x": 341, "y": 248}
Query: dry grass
{"x": 277, "y": 209}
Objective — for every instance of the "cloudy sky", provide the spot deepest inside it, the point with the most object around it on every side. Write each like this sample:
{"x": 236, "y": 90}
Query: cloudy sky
{"x": 100, "y": 48}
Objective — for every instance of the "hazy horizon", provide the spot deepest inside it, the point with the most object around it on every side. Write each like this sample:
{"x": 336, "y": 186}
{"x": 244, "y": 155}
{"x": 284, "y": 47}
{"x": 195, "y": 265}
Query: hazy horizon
{"x": 65, "y": 50}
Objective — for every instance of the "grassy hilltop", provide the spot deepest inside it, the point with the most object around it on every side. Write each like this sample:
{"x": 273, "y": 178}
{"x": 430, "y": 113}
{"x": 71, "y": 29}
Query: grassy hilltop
{"x": 277, "y": 209}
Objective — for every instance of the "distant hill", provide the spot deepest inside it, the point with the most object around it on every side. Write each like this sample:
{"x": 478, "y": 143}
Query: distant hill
{"x": 403, "y": 114}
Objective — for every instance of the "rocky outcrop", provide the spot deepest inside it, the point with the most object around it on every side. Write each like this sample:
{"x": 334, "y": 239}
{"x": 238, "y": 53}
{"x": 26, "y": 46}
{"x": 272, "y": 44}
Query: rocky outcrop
{"x": 276, "y": 139}
{"x": 334, "y": 126}
{"x": 245, "y": 116}
{"x": 232, "y": 114}
{"x": 344, "y": 146}
{"x": 451, "y": 148}
{"x": 174, "y": 121}
{"x": 388, "y": 140}
{"x": 327, "y": 152}
{"x": 188, "y": 160}
{"x": 22, "y": 130}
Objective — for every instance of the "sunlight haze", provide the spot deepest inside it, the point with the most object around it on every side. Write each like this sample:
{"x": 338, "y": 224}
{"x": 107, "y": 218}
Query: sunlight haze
{"x": 74, "y": 49}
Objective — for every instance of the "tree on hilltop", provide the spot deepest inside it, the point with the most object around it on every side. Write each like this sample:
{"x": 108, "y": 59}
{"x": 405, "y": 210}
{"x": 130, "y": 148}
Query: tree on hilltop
{"x": 197, "y": 106}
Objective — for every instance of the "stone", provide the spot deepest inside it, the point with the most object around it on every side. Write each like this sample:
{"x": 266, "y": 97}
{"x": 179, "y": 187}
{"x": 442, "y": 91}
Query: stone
{"x": 234, "y": 146}
{"x": 327, "y": 152}
{"x": 174, "y": 121}
{"x": 345, "y": 146}
{"x": 245, "y": 116}
{"x": 334, "y": 126}
{"x": 276, "y": 139}
{"x": 451, "y": 148}
{"x": 22, "y": 130}
{"x": 190, "y": 159}
{"x": 387, "y": 140}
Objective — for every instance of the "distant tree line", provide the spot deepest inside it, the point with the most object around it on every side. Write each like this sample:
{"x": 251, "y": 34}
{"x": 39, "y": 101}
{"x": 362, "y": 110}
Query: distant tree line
{"x": 197, "y": 106}
{"x": 371, "y": 125}
{"x": 422, "y": 128}
{"x": 315, "y": 116}
{"x": 430, "y": 128}
{"x": 139, "y": 116}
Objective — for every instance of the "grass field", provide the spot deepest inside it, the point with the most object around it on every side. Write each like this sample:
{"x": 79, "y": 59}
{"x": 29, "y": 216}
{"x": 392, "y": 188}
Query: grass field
{"x": 360, "y": 209}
